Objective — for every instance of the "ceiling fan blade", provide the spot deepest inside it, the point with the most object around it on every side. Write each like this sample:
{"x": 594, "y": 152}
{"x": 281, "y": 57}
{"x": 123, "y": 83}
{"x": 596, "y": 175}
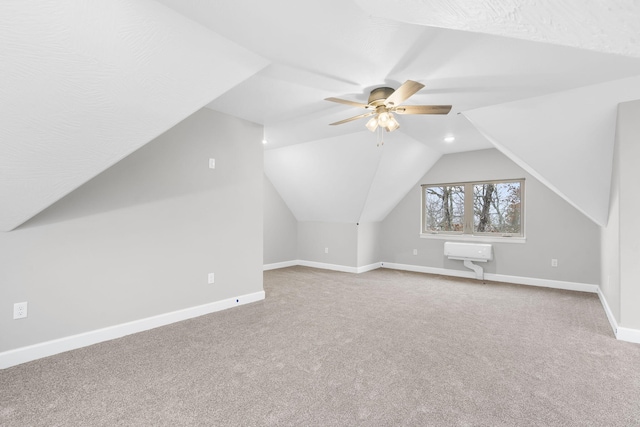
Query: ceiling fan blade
{"x": 347, "y": 102}
{"x": 403, "y": 93}
{"x": 353, "y": 118}
{"x": 423, "y": 109}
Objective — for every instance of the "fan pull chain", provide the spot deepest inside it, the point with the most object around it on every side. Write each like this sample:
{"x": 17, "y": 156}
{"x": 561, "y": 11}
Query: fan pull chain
{"x": 380, "y": 137}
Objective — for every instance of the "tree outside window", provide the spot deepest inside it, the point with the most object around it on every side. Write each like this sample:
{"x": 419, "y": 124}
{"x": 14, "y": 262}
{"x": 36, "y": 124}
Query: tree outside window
{"x": 493, "y": 208}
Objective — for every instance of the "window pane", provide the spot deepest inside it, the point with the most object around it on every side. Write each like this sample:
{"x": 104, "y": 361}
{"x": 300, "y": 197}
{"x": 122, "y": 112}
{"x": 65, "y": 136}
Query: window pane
{"x": 497, "y": 208}
{"x": 444, "y": 208}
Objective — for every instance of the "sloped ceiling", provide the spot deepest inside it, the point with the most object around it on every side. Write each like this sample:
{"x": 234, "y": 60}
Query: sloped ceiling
{"x": 572, "y": 152}
{"x": 83, "y": 84}
{"x": 318, "y": 181}
{"x": 90, "y": 82}
{"x": 345, "y": 49}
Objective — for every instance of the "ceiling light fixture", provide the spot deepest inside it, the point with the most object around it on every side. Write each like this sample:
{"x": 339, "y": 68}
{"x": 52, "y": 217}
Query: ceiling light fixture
{"x": 264, "y": 141}
{"x": 449, "y": 139}
{"x": 383, "y": 119}
{"x": 385, "y": 100}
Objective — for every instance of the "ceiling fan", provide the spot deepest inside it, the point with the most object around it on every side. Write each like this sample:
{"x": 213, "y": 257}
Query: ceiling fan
{"x": 384, "y": 101}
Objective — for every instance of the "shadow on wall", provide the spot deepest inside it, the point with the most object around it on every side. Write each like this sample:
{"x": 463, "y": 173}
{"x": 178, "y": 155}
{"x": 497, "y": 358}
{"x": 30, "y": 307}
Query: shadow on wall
{"x": 162, "y": 169}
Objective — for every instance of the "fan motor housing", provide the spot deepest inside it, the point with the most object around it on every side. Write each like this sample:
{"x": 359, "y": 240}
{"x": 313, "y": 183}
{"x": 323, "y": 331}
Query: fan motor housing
{"x": 379, "y": 95}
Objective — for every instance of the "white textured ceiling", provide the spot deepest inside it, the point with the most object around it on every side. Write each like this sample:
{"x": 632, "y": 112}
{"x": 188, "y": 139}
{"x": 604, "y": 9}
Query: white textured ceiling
{"x": 89, "y": 82}
{"x": 603, "y": 26}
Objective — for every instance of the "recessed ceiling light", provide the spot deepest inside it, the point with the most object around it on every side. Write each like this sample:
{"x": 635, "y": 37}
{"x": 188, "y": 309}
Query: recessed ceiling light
{"x": 264, "y": 141}
{"x": 449, "y": 139}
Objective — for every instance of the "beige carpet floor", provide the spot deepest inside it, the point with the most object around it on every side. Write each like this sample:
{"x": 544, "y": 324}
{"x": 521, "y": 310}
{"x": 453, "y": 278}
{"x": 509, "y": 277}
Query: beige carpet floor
{"x": 384, "y": 348}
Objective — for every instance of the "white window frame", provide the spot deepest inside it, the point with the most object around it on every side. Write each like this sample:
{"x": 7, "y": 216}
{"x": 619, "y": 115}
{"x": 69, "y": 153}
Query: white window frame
{"x": 467, "y": 233}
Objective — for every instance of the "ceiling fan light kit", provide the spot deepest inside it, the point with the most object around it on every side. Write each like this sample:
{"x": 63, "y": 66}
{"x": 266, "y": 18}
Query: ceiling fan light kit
{"x": 384, "y": 120}
{"x": 384, "y": 101}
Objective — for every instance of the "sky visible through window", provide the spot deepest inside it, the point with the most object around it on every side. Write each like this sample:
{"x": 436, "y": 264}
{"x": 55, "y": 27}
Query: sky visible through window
{"x": 496, "y": 208}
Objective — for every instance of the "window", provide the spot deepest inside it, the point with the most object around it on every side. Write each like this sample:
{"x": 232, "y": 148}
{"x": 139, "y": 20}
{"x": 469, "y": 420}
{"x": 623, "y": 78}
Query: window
{"x": 493, "y": 208}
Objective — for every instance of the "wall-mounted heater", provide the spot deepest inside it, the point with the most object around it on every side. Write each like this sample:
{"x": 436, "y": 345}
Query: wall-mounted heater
{"x": 470, "y": 253}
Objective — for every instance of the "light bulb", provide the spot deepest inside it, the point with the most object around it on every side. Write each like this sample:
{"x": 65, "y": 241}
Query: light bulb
{"x": 383, "y": 118}
{"x": 372, "y": 124}
{"x": 392, "y": 123}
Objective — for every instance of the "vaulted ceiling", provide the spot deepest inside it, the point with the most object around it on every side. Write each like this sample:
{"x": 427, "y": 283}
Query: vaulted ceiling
{"x": 84, "y": 84}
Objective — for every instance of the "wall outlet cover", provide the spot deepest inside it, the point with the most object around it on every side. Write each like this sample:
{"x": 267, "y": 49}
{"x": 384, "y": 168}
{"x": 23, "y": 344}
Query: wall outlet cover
{"x": 20, "y": 310}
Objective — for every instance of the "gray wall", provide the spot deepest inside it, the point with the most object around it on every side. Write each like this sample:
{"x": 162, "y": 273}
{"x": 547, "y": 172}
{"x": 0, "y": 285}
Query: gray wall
{"x": 369, "y": 234}
{"x": 340, "y": 238}
{"x": 610, "y": 237}
{"x": 620, "y": 247}
{"x": 629, "y": 177}
{"x": 280, "y": 227}
{"x": 554, "y": 229}
{"x": 139, "y": 239}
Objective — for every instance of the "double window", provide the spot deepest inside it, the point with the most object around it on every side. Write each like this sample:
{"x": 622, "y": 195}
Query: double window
{"x": 494, "y": 208}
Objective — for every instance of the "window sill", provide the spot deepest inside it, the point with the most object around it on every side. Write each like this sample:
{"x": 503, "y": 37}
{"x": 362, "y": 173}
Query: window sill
{"x": 472, "y": 238}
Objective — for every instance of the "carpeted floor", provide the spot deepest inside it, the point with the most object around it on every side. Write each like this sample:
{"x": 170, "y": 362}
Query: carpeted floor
{"x": 384, "y": 348}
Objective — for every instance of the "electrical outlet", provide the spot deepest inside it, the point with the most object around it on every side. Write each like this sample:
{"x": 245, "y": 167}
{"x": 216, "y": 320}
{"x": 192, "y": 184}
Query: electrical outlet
{"x": 326, "y": 250}
{"x": 415, "y": 252}
{"x": 20, "y": 310}
{"x": 554, "y": 262}
{"x": 211, "y": 278}
{"x": 212, "y": 163}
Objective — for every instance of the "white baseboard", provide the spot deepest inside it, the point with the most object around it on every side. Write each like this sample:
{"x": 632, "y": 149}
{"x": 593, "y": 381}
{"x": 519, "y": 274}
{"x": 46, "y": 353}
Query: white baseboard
{"x": 556, "y": 284}
{"x": 322, "y": 265}
{"x": 621, "y": 333}
{"x": 628, "y": 334}
{"x": 546, "y": 283}
{"x": 49, "y": 348}
{"x": 369, "y": 267}
{"x": 608, "y": 312}
{"x": 325, "y": 266}
{"x": 428, "y": 270}
{"x": 277, "y": 265}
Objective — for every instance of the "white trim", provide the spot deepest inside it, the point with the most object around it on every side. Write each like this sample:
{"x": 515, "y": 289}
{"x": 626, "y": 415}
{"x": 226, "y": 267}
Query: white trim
{"x": 473, "y": 238}
{"x": 608, "y": 312}
{"x": 322, "y": 265}
{"x": 428, "y": 270}
{"x": 325, "y": 266}
{"x": 26, "y": 354}
{"x": 277, "y": 265}
{"x": 556, "y": 284}
{"x": 543, "y": 283}
{"x": 369, "y": 267}
{"x": 628, "y": 334}
{"x": 621, "y": 333}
